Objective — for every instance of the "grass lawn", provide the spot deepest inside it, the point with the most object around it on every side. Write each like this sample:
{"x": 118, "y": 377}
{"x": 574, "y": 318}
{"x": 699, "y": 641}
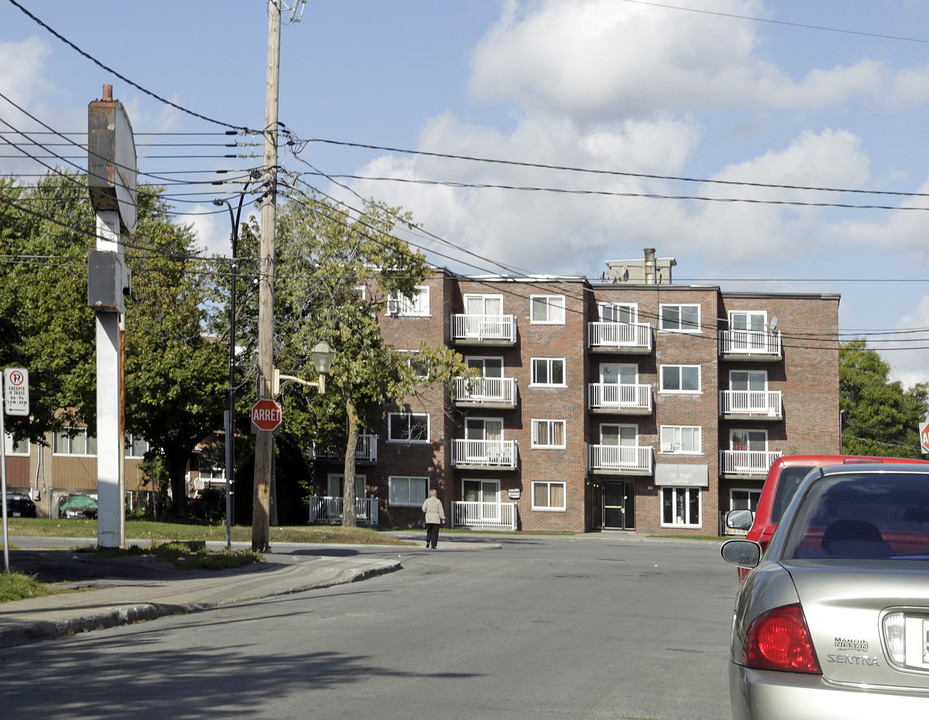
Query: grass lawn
{"x": 163, "y": 531}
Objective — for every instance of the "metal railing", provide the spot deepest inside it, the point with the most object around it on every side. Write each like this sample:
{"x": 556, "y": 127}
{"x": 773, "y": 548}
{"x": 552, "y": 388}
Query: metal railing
{"x": 500, "y": 328}
{"x": 619, "y": 396}
{"x": 486, "y": 390}
{"x": 366, "y": 451}
{"x": 487, "y": 453}
{"x": 750, "y": 342}
{"x": 502, "y": 516}
{"x": 750, "y": 402}
{"x": 747, "y": 462}
{"x": 616, "y": 334}
{"x": 329, "y": 510}
{"x": 627, "y": 458}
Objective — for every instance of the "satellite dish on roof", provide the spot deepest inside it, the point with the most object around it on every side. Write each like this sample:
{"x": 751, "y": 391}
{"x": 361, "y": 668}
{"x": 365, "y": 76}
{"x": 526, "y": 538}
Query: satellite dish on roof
{"x": 773, "y": 324}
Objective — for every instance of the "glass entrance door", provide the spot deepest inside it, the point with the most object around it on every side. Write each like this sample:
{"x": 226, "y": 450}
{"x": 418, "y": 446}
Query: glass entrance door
{"x": 619, "y": 506}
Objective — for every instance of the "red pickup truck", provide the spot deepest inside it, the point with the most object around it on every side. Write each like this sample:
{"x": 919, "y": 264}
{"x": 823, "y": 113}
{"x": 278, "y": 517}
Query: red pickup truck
{"x": 779, "y": 487}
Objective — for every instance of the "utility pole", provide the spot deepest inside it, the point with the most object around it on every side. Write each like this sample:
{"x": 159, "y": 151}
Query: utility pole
{"x": 264, "y": 440}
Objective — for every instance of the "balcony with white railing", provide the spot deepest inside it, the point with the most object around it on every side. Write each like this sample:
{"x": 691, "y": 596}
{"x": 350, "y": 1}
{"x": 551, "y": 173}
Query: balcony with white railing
{"x": 484, "y": 329}
{"x": 620, "y": 460}
{"x": 329, "y": 510}
{"x": 484, "y": 515}
{"x": 747, "y": 463}
{"x": 620, "y": 337}
{"x": 620, "y": 399}
{"x": 750, "y": 344}
{"x": 750, "y": 404}
{"x": 365, "y": 452}
{"x": 490, "y": 392}
{"x": 484, "y": 454}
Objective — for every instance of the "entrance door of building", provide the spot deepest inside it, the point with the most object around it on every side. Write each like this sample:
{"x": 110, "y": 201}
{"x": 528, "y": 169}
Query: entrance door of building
{"x": 619, "y": 506}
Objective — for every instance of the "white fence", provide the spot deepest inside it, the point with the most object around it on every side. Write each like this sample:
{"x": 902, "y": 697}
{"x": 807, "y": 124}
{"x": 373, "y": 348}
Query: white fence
{"x": 615, "y": 334}
{"x": 621, "y": 397}
{"x": 486, "y": 390}
{"x": 329, "y": 510}
{"x": 750, "y": 342}
{"x": 487, "y": 453}
{"x": 487, "y": 515}
{"x": 484, "y": 327}
{"x": 365, "y": 451}
{"x": 747, "y": 462}
{"x": 750, "y": 402}
{"x": 629, "y": 458}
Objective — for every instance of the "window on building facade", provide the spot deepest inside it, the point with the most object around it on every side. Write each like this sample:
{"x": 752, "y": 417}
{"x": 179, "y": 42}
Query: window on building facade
{"x": 548, "y": 371}
{"x": 409, "y": 427}
{"x": 73, "y": 441}
{"x": 15, "y": 447}
{"x": 618, "y": 312}
{"x": 680, "y": 318}
{"x": 680, "y": 507}
{"x": 416, "y": 306}
{"x": 406, "y": 491}
{"x": 488, "y": 367}
{"x": 136, "y": 447}
{"x": 548, "y": 433}
{"x": 744, "y": 499}
{"x": 680, "y": 378}
{"x": 547, "y": 309}
{"x": 756, "y": 321}
{"x": 681, "y": 439}
{"x": 548, "y": 496}
{"x": 414, "y": 360}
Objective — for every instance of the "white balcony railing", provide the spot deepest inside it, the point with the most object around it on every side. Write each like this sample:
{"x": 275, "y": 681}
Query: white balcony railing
{"x": 747, "y": 462}
{"x": 620, "y": 335}
{"x": 762, "y": 343}
{"x": 750, "y": 402}
{"x": 366, "y": 451}
{"x": 486, "y": 390}
{"x": 484, "y": 328}
{"x": 624, "y": 458}
{"x": 329, "y": 510}
{"x": 493, "y": 515}
{"x": 484, "y": 453}
{"x": 604, "y": 396}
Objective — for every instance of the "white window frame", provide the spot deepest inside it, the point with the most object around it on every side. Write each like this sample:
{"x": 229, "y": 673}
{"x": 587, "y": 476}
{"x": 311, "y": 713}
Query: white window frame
{"x": 672, "y": 439}
{"x": 410, "y": 418}
{"x": 15, "y": 448}
{"x": 549, "y": 432}
{"x": 410, "y": 357}
{"x": 553, "y": 306}
{"x": 66, "y": 435}
{"x": 549, "y": 363}
{"x": 417, "y": 306}
{"x": 680, "y": 390}
{"x": 674, "y": 492}
{"x": 548, "y": 487}
{"x": 681, "y": 326}
{"x": 337, "y": 480}
{"x": 612, "y": 312}
{"x": 130, "y": 445}
{"x": 395, "y": 482}
{"x": 753, "y": 495}
{"x": 747, "y": 317}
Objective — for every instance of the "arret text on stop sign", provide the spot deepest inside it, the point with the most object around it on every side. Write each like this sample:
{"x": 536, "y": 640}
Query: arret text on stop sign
{"x": 266, "y": 415}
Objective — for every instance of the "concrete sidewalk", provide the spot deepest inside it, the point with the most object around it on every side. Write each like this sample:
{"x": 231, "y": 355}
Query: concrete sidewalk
{"x": 119, "y": 602}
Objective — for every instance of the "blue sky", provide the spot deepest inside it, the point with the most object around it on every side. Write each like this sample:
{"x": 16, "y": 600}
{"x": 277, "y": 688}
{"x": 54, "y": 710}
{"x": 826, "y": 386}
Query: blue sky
{"x": 828, "y": 94}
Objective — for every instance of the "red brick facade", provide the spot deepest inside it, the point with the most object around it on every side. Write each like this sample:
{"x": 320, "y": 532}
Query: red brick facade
{"x": 601, "y": 464}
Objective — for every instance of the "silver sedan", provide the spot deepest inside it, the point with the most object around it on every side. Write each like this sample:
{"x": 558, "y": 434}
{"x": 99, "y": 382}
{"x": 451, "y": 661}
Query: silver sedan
{"x": 833, "y": 619}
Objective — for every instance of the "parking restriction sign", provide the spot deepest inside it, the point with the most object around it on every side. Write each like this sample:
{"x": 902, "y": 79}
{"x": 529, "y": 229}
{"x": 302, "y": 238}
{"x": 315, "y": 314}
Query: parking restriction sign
{"x": 16, "y": 391}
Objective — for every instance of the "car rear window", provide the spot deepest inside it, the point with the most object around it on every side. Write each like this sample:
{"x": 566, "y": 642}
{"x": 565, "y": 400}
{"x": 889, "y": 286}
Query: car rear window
{"x": 787, "y": 483}
{"x": 863, "y": 516}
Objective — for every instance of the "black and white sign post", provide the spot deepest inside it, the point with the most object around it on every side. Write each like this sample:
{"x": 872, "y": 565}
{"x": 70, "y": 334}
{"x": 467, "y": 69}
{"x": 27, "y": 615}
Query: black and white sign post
{"x": 15, "y": 402}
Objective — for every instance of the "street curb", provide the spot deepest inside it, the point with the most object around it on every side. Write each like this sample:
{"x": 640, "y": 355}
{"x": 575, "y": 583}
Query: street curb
{"x": 15, "y": 632}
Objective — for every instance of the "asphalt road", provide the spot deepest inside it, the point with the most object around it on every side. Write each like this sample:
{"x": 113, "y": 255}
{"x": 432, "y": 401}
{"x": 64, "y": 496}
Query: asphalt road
{"x": 596, "y": 626}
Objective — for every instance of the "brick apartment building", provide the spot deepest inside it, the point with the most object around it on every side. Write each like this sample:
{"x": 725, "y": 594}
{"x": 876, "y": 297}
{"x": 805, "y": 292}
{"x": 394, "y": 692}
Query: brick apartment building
{"x": 630, "y": 403}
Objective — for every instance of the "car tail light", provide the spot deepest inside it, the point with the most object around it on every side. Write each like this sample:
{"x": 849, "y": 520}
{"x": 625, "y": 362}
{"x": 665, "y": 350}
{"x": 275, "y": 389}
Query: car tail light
{"x": 780, "y": 640}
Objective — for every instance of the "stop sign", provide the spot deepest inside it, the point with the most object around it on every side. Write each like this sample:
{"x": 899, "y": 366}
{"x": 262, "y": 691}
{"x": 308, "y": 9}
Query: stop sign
{"x": 924, "y": 437}
{"x": 266, "y": 415}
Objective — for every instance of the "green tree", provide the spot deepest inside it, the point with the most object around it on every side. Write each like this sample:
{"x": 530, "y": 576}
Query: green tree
{"x": 335, "y": 274}
{"x": 881, "y": 417}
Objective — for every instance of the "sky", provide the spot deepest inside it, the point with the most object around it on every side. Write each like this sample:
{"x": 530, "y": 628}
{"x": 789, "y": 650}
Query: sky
{"x": 776, "y": 146}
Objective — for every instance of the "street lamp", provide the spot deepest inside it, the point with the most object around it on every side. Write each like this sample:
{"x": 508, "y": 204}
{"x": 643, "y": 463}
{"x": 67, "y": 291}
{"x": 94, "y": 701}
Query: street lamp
{"x": 323, "y": 355}
{"x": 230, "y": 421}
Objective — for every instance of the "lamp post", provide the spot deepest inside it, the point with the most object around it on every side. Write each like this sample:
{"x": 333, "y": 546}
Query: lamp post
{"x": 323, "y": 355}
{"x": 230, "y": 421}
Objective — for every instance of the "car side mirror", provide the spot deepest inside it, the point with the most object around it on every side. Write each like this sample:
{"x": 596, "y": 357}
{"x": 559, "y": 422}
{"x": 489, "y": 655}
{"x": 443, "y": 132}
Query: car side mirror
{"x": 739, "y": 519}
{"x": 741, "y": 553}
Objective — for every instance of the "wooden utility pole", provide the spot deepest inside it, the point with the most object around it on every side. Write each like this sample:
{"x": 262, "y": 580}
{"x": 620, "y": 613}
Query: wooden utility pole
{"x": 264, "y": 440}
